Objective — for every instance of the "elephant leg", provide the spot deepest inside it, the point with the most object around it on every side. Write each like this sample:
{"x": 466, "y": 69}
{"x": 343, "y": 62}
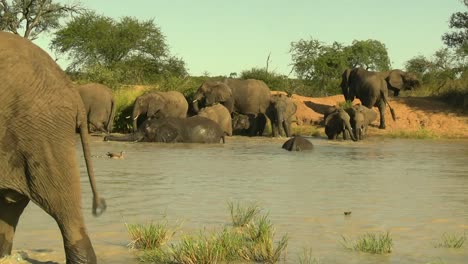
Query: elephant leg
{"x": 11, "y": 208}
{"x": 381, "y": 107}
{"x": 55, "y": 187}
{"x": 286, "y": 127}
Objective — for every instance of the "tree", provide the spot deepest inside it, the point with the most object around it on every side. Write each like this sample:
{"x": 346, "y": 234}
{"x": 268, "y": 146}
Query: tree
{"x": 459, "y": 38}
{"x": 29, "y": 18}
{"x": 369, "y": 54}
{"x": 137, "y": 48}
{"x": 419, "y": 65}
{"x": 321, "y": 65}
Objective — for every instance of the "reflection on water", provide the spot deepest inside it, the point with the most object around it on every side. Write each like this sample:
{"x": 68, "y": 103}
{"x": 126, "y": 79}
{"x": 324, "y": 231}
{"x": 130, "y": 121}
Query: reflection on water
{"x": 415, "y": 189}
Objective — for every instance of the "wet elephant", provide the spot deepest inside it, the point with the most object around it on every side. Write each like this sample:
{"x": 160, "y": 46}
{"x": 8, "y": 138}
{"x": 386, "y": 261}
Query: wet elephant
{"x": 249, "y": 97}
{"x": 360, "y": 118}
{"x": 195, "y": 129}
{"x": 297, "y": 143}
{"x": 99, "y": 105}
{"x": 220, "y": 114}
{"x": 159, "y": 104}
{"x": 40, "y": 112}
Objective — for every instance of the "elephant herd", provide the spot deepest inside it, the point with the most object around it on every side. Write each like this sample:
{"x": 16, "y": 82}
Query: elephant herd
{"x": 41, "y": 110}
{"x": 222, "y": 108}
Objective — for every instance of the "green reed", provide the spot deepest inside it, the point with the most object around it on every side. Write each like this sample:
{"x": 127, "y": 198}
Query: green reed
{"x": 370, "y": 243}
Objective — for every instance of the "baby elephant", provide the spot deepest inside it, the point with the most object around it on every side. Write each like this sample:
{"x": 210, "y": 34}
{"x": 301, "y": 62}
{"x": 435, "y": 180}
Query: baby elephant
{"x": 297, "y": 143}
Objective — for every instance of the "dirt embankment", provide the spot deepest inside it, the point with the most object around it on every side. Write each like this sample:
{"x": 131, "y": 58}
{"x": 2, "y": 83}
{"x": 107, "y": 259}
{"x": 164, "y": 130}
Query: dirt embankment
{"x": 413, "y": 114}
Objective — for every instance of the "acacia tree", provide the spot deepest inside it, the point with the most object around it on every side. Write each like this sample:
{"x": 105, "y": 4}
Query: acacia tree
{"x": 29, "y": 18}
{"x": 127, "y": 48}
{"x": 459, "y": 37}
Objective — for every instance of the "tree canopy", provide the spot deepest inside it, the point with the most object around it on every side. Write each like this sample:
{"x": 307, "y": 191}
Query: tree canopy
{"x": 29, "y": 18}
{"x": 136, "y": 48}
{"x": 459, "y": 37}
{"x": 322, "y": 65}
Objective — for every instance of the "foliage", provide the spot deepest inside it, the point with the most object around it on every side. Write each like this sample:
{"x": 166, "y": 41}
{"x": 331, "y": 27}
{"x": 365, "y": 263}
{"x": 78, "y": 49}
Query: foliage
{"x": 240, "y": 216}
{"x": 307, "y": 257}
{"x": 252, "y": 242}
{"x": 276, "y": 82}
{"x": 451, "y": 241}
{"x": 127, "y": 51}
{"x": 150, "y": 236}
{"x": 370, "y": 243}
{"x": 458, "y": 38}
{"x": 33, "y": 16}
{"x": 320, "y": 66}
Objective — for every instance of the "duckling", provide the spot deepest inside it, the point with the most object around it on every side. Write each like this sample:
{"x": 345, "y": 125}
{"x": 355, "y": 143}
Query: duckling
{"x": 115, "y": 155}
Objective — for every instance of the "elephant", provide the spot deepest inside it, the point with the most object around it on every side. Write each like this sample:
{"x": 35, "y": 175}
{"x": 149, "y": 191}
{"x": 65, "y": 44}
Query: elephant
{"x": 297, "y": 143}
{"x": 41, "y": 111}
{"x": 159, "y": 104}
{"x": 361, "y": 118}
{"x": 220, "y": 115}
{"x": 241, "y": 124}
{"x": 398, "y": 80}
{"x": 249, "y": 97}
{"x": 281, "y": 113}
{"x": 195, "y": 129}
{"x": 99, "y": 105}
{"x": 338, "y": 122}
{"x": 369, "y": 87}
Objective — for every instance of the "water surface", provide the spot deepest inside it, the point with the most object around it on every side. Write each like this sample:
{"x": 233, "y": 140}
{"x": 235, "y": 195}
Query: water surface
{"x": 415, "y": 189}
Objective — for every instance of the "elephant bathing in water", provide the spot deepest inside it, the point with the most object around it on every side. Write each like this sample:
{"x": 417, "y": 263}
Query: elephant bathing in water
{"x": 40, "y": 112}
{"x": 195, "y": 129}
{"x": 159, "y": 104}
{"x": 297, "y": 143}
{"x": 249, "y": 97}
{"x": 361, "y": 118}
{"x": 99, "y": 106}
{"x": 220, "y": 115}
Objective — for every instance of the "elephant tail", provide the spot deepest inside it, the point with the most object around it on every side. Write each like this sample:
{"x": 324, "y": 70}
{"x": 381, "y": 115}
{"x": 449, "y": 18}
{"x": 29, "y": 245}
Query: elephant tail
{"x": 99, "y": 204}
{"x": 391, "y": 109}
{"x": 110, "y": 122}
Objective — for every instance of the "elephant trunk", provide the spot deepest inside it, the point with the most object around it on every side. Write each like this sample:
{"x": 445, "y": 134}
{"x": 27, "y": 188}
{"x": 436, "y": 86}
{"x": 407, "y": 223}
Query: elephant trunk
{"x": 110, "y": 121}
{"x": 280, "y": 122}
{"x": 350, "y": 130}
{"x": 196, "y": 101}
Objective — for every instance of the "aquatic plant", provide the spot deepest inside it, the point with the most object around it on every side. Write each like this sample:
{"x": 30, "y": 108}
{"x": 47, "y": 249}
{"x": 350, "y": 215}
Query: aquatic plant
{"x": 370, "y": 243}
{"x": 307, "y": 257}
{"x": 242, "y": 216}
{"x": 451, "y": 241}
{"x": 151, "y": 236}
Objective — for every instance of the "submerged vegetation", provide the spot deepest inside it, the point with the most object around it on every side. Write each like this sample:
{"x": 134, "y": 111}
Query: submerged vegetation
{"x": 451, "y": 241}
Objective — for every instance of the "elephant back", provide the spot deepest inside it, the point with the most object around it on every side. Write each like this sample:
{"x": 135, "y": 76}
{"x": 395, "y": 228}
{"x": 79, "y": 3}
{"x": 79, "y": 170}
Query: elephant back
{"x": 250, "y": 96}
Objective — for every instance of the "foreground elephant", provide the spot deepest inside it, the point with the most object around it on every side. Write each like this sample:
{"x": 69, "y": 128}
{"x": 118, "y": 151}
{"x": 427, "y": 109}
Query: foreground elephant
{"x": 369, "y": 87}
{"x": 338, "y": 122}
{"x": 361, "y": 118}
{"x": 220, "y": 115}
{"x": 195, "y": 129}
{"x": 40, "y": 111}
{"x": 99, "y": 106}
{"x": 281, "y": 113}
{"x": 159, "y": 104}
{"x": 297, "y": 143}
{"x": 249, "y": 97}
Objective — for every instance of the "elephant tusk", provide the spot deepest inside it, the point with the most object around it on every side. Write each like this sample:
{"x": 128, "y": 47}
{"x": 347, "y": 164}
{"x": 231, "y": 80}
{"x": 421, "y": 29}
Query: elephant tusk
{"x": 127, "y": 117}
{"x": 196, "y": 100}
{"x": 135, "y": 118}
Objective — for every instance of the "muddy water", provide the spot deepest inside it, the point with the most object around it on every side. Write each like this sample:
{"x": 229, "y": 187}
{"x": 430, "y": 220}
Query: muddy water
{"x": 415, "y": 189}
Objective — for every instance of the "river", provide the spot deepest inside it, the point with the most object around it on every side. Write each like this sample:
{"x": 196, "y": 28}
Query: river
{"x": 417, "y": 190}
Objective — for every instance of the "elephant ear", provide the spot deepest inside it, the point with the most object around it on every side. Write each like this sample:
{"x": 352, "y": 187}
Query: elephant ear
{"x": 155, "y": 104}
{"x": 395, "y": 80}
{"x": 221, "y": 92}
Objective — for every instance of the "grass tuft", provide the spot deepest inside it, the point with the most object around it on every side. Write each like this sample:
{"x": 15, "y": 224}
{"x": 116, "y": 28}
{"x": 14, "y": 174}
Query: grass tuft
{"x": 240, "y": 216}
{"x": 370, "y": 243}
{"x": 307, "y": 257}
{"x": 150, "y": 236}
{"x": 451, "y": 241}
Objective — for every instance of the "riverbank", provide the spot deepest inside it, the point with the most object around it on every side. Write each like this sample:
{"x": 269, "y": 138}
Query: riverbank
{"x": 416, "y": 117}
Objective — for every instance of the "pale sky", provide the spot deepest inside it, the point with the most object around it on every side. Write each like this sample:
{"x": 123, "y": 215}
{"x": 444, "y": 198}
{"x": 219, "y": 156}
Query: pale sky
{"x": 220, "y": 37}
